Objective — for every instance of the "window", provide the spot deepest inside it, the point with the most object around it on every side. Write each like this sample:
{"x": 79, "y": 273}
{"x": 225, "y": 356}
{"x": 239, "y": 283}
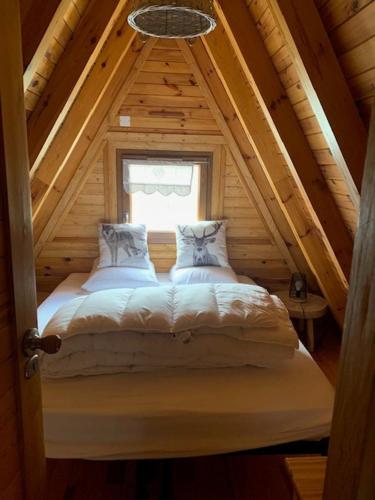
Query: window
{"x": 163, "y": 190}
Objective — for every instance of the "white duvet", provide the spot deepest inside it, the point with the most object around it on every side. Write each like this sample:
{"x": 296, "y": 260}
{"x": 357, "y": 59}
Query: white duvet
{"x": 199, "y": 326}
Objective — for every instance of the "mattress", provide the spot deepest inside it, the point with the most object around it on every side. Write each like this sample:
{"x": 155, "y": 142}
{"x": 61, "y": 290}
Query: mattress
{"x": 181, "y": 412}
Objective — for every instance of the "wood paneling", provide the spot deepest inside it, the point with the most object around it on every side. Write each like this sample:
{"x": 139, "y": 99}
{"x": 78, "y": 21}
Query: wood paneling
{"x": 283, "y": 62}
{"x": 326, "y": 87}
{"x": 36, "y": 17}
{"x": 82, "y": 49}
{"x": 91, "y": 142}
{"x": 50, "y": 48}
{"x": 351, "y": 27}
{"x": 180, "y": 121}
{"x": 283, "y": 183}
{"x": 263, "y": 78}
{"x": 83, "y": 122}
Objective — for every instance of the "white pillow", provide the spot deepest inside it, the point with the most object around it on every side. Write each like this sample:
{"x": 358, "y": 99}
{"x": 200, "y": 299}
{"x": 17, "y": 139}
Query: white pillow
{"x": 120, "y": 277}
{"x": 123, "y": 245}
{"x": 201, "y": 244}
{"x": 202, "y": 274}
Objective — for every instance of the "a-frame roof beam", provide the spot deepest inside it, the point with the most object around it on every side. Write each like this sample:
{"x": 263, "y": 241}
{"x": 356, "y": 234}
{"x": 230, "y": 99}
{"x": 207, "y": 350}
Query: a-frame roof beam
{"x": 307, "y": 231}
{"x": 81, "y": 110}
{"x": 236, "y": 137}
{"x": 70, "y": 72}
{"x": 263, "y": 78}
{"x": 324, "y": 83}
{"x": 96, "y": 128}
{"x": 96, "y": 120}
{"x": 36, "y": 17}
{"x": 247, "y": 180}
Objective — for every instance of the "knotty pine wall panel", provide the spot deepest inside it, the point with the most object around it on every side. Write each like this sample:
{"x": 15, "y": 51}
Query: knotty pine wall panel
{"x": 166, "y": 109}
{"x": 351, "y": 27}
{"x": 281, "y": 58}
{"x": 61, "y": 36}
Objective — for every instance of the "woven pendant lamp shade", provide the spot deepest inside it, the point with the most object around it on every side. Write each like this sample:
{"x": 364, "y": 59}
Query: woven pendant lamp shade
{"x": 173, "y": 19}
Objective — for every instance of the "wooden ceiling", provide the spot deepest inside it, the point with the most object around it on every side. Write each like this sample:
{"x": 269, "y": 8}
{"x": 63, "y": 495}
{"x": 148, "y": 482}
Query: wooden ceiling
{"x": 297, "y": 75}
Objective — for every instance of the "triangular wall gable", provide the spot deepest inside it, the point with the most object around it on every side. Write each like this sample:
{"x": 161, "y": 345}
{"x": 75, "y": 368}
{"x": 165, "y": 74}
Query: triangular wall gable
{"x": 166, "y": 109}
{"x": 245, "y": 93}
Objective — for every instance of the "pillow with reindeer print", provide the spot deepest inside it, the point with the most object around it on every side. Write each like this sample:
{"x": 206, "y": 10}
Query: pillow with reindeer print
{"x": 123, "y": 245}
{"x": 201, "y": 244}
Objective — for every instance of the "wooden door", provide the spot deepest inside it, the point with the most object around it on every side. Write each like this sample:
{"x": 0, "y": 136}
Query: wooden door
{"x": 22, "y": 464}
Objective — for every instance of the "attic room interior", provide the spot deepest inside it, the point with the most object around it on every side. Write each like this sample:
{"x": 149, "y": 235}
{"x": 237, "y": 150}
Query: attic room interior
{"x": 187, "y": 249}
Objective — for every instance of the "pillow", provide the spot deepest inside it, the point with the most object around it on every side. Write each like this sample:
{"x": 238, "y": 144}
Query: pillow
{"x": 201, "y": 244}
{"x": 120, "y": 277}
{"x": 202, "y": 274}
{"x": 123, "y": 245}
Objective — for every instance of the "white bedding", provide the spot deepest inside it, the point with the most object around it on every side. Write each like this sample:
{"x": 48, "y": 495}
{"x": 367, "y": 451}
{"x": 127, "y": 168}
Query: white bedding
{"x": 70, "y": 288}
{"x": 198, "y": 326}
{"x": 181, "y": 412}
{"x": 184, "y": 412}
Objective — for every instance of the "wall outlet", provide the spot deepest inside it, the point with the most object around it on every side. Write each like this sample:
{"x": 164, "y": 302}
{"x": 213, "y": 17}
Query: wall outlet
{"x": 124, "y": 121}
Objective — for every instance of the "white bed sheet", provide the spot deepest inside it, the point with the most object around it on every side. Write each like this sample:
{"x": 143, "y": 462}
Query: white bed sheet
{"x": 181, "y": 412}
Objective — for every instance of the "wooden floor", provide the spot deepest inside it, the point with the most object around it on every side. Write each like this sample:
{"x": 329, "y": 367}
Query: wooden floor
{"x": 216, "y": 478}
{"x": 230, "y": 477}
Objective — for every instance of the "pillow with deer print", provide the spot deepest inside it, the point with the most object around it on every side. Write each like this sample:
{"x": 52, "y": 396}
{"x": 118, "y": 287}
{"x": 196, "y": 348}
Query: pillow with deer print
{"x": 201, "y": 244}
{"x": 123, "y": 245}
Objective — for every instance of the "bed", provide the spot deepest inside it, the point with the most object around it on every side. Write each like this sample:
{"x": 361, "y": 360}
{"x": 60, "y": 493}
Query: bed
{"x": 181, "y": 412}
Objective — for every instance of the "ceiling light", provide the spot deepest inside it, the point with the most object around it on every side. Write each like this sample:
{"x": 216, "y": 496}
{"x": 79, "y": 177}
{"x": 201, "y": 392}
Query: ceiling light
{"x": 173, "y": 19}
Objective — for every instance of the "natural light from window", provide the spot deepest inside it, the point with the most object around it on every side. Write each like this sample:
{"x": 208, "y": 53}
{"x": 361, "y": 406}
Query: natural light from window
{"x": 163, "y": 213}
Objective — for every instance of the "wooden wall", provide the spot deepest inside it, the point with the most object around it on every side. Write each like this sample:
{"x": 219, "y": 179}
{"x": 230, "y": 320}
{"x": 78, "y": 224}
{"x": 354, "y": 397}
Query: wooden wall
{"x": 351, "y": 27}
{"x": 61, "y": 34}
{"x": 167, "y": 111}
{"x": 282, "y": 60}
{"x": 10, "y": 469}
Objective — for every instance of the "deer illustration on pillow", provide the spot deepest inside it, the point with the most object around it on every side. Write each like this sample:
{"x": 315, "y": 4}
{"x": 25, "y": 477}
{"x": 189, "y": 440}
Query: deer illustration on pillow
{"x": 201, "y": 255}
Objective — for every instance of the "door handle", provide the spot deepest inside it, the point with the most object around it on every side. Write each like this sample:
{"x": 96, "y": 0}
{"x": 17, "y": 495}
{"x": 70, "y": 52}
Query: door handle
{"x": 33, "y": 341}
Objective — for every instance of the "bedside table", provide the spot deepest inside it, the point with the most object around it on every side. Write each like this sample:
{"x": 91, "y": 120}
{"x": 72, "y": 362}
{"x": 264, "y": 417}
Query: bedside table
{"x": 315, "y": 307}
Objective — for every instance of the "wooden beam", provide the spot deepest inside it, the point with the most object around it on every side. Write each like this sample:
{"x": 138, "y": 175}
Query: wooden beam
{"x": 296, "y": 208}
{"x": 35, "y": 44}
{"x": 325, "y": 85}
{"x": 72, "y": 69}
{"x": 351, "y": 460}
{"x": 36, "y": 18}
{"x": 247, "y": 180}
{"x": 66, "y": 186}
{"x": 82, "y": 109}
{"x": 264, "y": 80}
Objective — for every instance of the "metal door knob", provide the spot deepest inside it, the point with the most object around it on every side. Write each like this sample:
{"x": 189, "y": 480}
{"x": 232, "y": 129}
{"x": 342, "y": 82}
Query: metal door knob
{"x": 32, "y": 341}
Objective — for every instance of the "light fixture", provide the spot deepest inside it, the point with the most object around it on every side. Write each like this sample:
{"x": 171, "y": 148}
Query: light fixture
{"x": 173, "y": 19}
{"x": 298, "y": 287}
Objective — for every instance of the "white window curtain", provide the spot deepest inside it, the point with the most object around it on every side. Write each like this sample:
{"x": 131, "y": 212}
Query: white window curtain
{"x": 163, "y": 176}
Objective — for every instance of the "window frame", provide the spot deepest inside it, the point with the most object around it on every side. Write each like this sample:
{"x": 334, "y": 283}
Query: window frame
{"x": 205, "y": 159}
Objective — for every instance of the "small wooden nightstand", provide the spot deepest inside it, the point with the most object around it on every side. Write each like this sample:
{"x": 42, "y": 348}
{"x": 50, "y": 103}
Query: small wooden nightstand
{"x": 315, "y": 307}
